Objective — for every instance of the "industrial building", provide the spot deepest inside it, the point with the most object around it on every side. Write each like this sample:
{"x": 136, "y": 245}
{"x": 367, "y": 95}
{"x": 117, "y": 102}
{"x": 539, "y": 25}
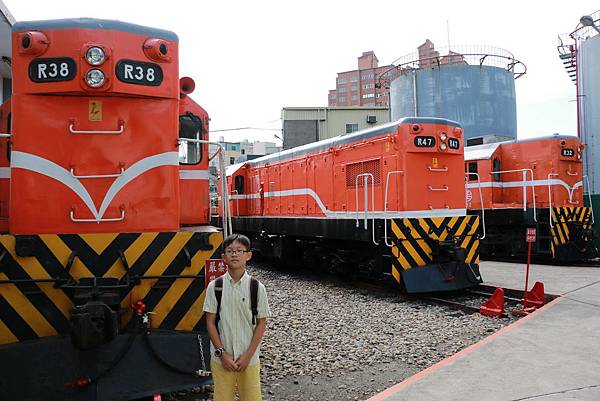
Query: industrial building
{"x": 302, "y": 125}
{"x": 361, "y": 87}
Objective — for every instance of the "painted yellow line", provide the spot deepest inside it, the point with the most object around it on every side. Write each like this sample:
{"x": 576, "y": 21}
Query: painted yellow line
{"x": 471, "y": 253}
{"x": 194, "y": 314}
{"x": 6, "y": 336}
{"x": 36, "y": 271}
{"x": 62, "y": 252}
{"x": 132, "y": 254}
{"x": 98, "y": 242}
{"x": 26, "y": 310}
{"x": 396, "y": 274}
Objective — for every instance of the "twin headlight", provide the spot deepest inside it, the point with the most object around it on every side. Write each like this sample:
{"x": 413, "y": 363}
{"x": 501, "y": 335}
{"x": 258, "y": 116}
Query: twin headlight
{"x": 95, "y": 56}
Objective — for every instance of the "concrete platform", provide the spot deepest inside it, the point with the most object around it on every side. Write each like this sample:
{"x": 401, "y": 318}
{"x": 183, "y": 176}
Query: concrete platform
{"x": 550, "y": 355}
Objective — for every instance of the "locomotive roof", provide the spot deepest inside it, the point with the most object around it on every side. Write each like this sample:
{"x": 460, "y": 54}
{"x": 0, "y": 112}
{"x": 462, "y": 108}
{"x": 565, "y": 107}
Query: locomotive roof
{"x": 485, "y": 151}
{"x": 94, "y": 23}
{"x": 344, "y": 139}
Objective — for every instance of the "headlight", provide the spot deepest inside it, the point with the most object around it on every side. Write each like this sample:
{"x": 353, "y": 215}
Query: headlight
{"x": 443, "y": 146}
{"x": 443, "y": 136}
{"x": 95, "y": 78}
{"x": 95, "y": 56}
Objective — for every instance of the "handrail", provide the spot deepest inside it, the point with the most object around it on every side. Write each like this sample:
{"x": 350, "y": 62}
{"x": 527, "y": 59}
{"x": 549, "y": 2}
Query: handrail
{"x": 97, "y": 175}
{"x": 76, "y": 220}
{"x": 524, "y": 171}
{"x": 227, "y": 225}
{"x": 550, "y": 198}
{"x": 387, "y": 181}
{"x": 5, "y": 135}
{"x": 480, "y": 200}
{"x": 118, "y": 131}
{"x": 366, "y": 193}
{"x": 589, "y": 196}
{"x": 443, "y": 188}
{"x": 443, "y": 169}
{"x": 571, "y": 174}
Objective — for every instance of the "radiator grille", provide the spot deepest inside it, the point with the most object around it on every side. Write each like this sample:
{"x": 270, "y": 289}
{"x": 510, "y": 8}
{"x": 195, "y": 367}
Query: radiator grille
{"x": 355, "y": 169}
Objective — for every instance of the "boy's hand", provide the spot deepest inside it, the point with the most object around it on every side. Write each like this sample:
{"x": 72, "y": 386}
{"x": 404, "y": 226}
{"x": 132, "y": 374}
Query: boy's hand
{"x": 243, "y": 361}
{"x": 228, "y": 362}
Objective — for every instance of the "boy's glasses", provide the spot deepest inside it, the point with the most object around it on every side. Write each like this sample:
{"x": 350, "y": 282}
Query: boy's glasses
{"x": 237, "y": 252}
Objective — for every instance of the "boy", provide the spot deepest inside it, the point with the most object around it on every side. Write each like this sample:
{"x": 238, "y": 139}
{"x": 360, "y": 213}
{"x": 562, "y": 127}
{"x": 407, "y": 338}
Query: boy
{"x": 235, "y": 343}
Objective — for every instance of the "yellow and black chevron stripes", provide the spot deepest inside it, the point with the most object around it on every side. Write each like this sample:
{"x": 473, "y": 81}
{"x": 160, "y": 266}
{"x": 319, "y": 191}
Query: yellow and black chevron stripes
{"x": 414, "y": 239}
{"x": 33, "y": 304}
{"x": 561, "y": 217}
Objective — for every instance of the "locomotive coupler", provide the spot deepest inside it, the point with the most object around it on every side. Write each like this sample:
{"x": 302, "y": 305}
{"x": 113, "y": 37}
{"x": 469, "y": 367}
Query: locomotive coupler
{"x": 95, "y": 317}
{"x": 448, "y": 251}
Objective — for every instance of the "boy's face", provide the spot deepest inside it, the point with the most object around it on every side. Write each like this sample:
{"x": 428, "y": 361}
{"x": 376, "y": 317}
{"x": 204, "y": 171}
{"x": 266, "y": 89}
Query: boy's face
{"x": 236, "y": 255}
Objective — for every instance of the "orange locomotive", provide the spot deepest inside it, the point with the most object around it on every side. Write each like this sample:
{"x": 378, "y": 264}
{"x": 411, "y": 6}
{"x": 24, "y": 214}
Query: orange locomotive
{"x": 531, "y": 183}
{"x": 100, "y": 290}
{"x": 385, "y": 201}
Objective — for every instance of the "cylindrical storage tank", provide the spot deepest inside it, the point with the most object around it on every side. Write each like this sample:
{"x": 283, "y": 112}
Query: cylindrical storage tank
{"x": 480, "y": 98}
{"x": 589, "y": 94}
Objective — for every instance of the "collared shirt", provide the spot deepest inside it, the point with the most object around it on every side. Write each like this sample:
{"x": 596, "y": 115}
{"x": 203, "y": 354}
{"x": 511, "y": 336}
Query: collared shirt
{"x": 235, "y": 324}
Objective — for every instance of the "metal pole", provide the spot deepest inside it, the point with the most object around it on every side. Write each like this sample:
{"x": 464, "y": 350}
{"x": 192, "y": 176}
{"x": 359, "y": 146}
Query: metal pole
{"x": 527, "y": 273}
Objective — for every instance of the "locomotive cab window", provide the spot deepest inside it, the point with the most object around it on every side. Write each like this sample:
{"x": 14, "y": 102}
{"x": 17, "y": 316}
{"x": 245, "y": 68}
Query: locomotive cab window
{"x": 472, "y": 171}
{"x": 496, "y": 169}
{"x": 190, "y": 127}
{"x": 239, "y": 184}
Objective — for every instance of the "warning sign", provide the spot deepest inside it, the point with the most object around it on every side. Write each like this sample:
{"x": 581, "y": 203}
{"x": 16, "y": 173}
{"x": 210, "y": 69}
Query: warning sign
{"x": 95, "y": 110}
{"x": 531, "y": 234}
{"x": 213, "y": 268}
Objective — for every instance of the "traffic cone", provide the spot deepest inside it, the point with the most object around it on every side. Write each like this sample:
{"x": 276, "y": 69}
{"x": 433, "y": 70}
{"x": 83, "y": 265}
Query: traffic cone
{"x": 494, "y": 307}
{"x": 535, "y": 297}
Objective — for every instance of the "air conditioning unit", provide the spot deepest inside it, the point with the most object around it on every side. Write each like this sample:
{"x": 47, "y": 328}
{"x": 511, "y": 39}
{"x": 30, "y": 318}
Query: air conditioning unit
{"x": 371, "y": 119}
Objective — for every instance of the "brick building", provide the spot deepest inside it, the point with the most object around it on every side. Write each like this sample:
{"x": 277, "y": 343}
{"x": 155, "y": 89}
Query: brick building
{"x": 360, "y": 87}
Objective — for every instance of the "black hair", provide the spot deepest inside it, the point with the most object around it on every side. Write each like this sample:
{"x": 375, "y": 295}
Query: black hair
{"x": 242, "y": 239}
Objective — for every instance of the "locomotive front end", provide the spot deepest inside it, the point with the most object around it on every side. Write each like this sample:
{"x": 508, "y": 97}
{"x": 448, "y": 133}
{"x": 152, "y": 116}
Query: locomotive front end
{"x": 101, "y": 292}
{"x": 436, "y": 246}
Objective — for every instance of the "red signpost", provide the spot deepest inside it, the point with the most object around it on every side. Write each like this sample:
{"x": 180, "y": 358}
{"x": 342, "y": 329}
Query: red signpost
{"x": 530, "y": 237}
{"x": 213, "y": 268}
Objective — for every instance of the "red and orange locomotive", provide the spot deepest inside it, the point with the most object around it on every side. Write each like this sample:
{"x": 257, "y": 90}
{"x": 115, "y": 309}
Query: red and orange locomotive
{"x": 531, "y": 183}
{"x": 387, "y": 201}
{"x": 102, "y": 162}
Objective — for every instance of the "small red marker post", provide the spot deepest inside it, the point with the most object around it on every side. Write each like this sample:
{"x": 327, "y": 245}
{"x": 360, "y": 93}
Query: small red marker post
{"x": 529, "y": 237}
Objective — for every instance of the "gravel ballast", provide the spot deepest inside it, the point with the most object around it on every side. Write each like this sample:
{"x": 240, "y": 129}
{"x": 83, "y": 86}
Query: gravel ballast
{"x": 330, "y": 340}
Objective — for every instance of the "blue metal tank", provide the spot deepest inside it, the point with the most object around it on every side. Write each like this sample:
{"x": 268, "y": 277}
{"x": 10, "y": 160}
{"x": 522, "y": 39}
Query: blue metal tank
{"x": 474, "y": 88}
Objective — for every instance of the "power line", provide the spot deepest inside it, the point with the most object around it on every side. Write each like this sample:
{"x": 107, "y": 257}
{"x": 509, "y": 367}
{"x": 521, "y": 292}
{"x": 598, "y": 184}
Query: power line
{"x": 245, "y": 128}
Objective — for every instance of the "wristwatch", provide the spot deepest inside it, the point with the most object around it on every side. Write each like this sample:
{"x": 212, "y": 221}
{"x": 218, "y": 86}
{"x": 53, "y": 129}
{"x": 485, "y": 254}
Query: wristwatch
{"x": 219, "y": 352}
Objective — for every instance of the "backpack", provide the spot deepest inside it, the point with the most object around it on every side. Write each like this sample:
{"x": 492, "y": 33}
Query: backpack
{"x": 253, "y": 298}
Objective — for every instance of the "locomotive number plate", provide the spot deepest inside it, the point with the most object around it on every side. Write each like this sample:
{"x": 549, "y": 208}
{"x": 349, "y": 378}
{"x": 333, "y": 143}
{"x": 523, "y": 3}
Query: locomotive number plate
{"x": 52, "y": 69}
{"x": 453, "y": 143}
{"x": 424, "y": 141}
{"x": 139, "y": 72}
{"x": 567, "y": 152}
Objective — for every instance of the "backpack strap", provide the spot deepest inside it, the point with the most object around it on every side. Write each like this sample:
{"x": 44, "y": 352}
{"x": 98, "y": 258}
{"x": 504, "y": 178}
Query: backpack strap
{"x": 254, "y": 298}
{"x": 218, "y": 295}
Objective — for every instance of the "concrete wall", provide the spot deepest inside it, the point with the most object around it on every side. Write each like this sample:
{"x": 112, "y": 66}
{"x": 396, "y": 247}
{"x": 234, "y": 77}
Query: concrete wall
{"x": 299, "y": 132}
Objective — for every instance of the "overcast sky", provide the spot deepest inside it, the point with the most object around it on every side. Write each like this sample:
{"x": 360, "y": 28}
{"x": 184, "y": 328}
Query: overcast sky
{"x": 251, "y": 58}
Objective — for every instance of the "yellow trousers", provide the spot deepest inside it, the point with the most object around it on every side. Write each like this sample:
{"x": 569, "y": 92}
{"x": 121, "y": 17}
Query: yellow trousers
{"x": 247, "y": 382}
